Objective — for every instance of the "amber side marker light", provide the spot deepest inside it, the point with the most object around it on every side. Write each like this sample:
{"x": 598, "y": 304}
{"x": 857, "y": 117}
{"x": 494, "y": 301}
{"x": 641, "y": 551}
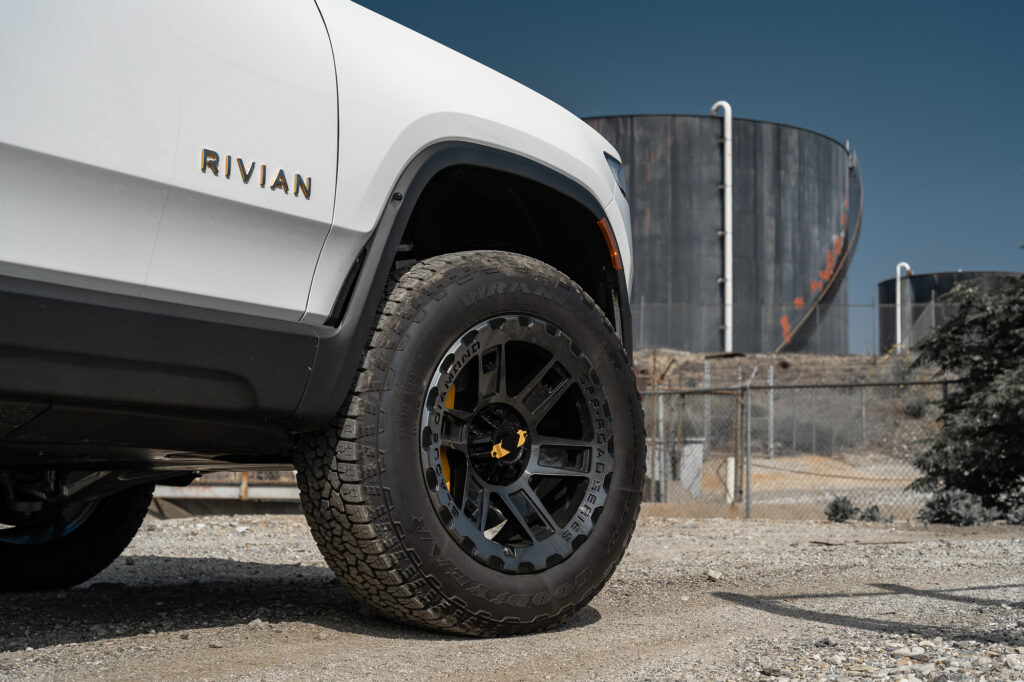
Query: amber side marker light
{"x": 609, "y": 239}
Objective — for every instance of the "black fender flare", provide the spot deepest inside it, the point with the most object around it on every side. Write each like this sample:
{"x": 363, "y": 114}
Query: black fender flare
{"x": 340, "y": 347}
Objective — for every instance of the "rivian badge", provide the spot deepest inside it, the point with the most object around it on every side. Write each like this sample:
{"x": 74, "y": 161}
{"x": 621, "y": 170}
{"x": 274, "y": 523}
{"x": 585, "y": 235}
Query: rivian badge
{"x": 211, "y": 162}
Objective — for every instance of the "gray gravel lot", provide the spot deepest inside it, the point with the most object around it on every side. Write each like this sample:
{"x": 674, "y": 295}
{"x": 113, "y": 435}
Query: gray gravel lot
{"x": 248, "y": 597}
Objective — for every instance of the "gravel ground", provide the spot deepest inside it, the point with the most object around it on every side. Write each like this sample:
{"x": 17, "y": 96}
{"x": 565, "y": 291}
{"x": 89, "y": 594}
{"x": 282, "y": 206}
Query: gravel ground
{"x": 248, "y": 597}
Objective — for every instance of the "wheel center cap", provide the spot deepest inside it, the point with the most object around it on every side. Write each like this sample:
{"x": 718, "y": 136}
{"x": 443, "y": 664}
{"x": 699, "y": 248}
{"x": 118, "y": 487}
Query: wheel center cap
{"x": 508, "y": 442}
{"x": 500, "y": 444}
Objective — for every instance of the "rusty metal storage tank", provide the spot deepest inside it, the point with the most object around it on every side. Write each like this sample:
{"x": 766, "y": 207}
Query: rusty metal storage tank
{"x": 796, "y": 214}
{"x": 922, "y": 308}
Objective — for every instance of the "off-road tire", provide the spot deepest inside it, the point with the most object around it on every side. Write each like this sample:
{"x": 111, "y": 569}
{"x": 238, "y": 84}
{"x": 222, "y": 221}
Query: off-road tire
{"x": 88, "y": 549}
{"x": 361, "y": 477}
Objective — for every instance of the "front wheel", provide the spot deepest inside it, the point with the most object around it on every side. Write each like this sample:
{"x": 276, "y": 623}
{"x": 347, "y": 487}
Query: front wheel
{"x": 484, "y": 475}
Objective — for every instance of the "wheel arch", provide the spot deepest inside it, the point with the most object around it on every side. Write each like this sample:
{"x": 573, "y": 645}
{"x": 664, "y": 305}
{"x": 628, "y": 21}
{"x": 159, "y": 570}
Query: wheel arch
{"x": 474, "y": 182}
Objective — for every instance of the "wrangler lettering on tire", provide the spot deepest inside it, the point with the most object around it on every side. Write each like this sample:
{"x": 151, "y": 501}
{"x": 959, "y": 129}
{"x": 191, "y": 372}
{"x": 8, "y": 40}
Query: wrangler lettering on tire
{"x": 484, "y": 475}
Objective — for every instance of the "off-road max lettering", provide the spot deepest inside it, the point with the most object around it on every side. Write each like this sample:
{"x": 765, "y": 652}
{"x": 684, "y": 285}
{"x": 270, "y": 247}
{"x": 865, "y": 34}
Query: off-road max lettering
{"x": 436, "y": 339}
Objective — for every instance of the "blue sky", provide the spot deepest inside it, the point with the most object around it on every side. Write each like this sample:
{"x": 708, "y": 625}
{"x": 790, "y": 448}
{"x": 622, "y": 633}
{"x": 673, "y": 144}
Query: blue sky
{"x": 930, "y": 94}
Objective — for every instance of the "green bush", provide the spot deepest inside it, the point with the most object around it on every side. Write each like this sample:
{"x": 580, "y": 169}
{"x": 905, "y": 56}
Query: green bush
{"x": 979, "y": 448}
{"x": 915, "y": 407}
{"x": 841, "y": 509}
{"x": 871, "y": 514}
{"x": 956, "y": 507}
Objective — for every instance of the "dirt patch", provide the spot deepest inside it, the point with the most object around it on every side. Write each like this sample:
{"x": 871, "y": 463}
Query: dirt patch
{"x": 249, "y": 598}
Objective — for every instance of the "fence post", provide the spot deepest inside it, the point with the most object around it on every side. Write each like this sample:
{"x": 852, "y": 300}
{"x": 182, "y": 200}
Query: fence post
{"x": 863, "y": 418}
{"x": 659, "y": 457}
{"x": 832, "y": 419}
{"x": 792, "y": 419}
{"x": 814, "y": 427}
{"x": 746, "y": 487}
{"x": 771, "y": 411}
{"x": 875, "y": 312}
{"x": 707, "y": 410}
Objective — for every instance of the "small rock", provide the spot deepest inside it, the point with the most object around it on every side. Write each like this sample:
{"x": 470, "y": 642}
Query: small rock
{"x": 241, "y": 529}
{"x": 826, "y": 641}
{"x": 184, "y": 635}
{"x": 713, "y": 575}
{"x": 900, "y": 653}
{"x": 926, "y": 644}
{"x": 216, "y": 645}
{"x": 321, "y": 636}
{"x": 920, "y": 656}
{"x": 836, "y": 659}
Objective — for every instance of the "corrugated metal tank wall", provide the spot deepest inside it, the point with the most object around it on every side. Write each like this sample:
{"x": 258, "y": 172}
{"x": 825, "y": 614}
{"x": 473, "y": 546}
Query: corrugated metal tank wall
{"x": 790, "y": 217}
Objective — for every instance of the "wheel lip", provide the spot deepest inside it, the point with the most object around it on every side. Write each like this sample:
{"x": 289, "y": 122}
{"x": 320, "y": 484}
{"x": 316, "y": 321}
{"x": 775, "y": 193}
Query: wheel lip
{"x": 580, "y": 523}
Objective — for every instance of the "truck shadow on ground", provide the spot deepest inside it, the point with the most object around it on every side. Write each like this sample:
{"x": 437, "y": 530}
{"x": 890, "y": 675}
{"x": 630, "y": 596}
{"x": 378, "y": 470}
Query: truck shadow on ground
{"x": 860, "y": 616}
{"x": 151, "y": 594}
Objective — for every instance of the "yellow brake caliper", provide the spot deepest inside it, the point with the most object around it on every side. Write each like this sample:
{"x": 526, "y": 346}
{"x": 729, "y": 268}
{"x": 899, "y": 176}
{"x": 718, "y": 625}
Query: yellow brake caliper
{"x": 446, "y": 469}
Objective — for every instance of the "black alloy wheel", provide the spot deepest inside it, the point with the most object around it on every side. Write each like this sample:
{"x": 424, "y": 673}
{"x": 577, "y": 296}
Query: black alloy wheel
{"x": 516, "y": 443}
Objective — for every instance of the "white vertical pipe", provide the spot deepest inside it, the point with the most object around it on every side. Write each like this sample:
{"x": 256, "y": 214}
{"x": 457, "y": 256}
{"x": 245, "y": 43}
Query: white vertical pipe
{"x": 771, "y": 412}
{"x": 727, "y": 213}
{"x": 899, "y": 313}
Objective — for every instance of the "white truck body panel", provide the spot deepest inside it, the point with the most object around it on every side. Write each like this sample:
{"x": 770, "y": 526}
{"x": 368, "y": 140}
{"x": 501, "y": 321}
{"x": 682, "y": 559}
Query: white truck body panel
{"x": 108, "y": 106}
{"x": 106, "y": 109}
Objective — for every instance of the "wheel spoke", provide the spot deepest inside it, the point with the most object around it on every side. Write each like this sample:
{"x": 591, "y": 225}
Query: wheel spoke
{"x": 539, "y": 399}
{"x": 560, "y": 462}
{"x": 552, "y": 398}
{"x": 475, "y": 500}
{"x": 526, "y": 390}
{"x": 528, "y": 510}
{"x": 455, "y": 429}
{"x": 554, "y": 442}
{"x": 491, "y": 377}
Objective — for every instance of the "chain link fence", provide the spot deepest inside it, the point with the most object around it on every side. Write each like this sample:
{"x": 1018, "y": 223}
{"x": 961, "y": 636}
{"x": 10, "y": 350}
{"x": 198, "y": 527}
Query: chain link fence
{"x": 786, "y": 451}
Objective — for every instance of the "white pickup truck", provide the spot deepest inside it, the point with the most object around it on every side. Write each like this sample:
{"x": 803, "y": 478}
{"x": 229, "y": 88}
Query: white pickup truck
{"x": 244, "y": 234}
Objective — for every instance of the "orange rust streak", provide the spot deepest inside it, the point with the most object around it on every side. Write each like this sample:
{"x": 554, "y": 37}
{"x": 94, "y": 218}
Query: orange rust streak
{"x": 830, "y": 266}
{"x": 786, "y": 330}
{"x": 799, "y": 302}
